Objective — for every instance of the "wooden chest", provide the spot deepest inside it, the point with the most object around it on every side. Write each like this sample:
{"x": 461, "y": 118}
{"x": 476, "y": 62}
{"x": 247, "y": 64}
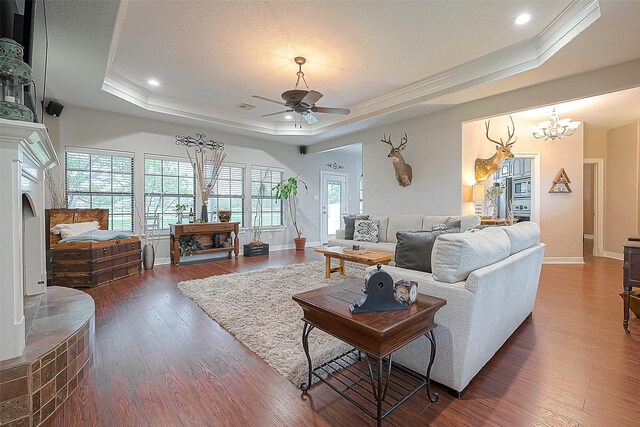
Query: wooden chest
{"x": 89, "y": 264}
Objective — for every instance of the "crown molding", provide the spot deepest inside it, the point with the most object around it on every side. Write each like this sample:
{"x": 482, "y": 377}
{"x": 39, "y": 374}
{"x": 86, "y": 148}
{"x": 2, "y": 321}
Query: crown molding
{"x": 506, "y": 62}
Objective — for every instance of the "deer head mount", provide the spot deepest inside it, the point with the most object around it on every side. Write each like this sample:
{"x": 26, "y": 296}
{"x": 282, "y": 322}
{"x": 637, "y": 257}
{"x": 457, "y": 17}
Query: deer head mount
{"x": 403, "y": 171}
{"x": 485, "y": 167}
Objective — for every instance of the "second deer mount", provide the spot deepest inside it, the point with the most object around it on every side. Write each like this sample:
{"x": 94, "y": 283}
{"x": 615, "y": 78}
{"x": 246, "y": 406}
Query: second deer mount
{"x": 403, "y": 171}
{"x": 484, "y": 168}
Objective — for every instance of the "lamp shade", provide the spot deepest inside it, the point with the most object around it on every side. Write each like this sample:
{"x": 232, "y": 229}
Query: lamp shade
{"x": 478, "y": 193}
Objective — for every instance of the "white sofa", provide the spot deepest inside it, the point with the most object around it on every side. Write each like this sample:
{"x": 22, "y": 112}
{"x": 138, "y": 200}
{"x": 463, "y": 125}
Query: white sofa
{"x": 489, "y": 279}
{"x": 391, "y": 224}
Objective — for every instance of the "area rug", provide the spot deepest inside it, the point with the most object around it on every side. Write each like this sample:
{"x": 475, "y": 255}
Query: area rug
{"x": 256, "y": 307}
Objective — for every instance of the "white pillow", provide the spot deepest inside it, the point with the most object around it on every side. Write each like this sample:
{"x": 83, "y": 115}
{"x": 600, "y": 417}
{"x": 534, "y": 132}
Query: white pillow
{"x": 69, "y": 230}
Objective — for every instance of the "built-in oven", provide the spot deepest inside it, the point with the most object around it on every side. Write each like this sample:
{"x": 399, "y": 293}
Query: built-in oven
{"x": 521, "y": 209}
{"x": 522, "y": 188}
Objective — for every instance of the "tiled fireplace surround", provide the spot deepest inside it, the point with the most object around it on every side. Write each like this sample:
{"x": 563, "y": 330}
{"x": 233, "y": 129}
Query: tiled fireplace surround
{"x": 47, "y": 337}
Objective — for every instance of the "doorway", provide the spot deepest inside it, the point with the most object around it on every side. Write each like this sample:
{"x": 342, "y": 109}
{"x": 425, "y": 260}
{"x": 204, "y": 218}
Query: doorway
{"x": 333, "y": 203}
{"x": 593, "y": 207}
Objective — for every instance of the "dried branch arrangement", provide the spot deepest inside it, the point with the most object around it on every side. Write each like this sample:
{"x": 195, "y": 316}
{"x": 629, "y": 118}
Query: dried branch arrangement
{"x": 206, "y": 182}
{"x": 56, "y": 190}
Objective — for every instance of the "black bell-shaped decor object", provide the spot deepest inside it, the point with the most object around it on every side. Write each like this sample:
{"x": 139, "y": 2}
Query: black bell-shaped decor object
{"x": 379, "y": 294}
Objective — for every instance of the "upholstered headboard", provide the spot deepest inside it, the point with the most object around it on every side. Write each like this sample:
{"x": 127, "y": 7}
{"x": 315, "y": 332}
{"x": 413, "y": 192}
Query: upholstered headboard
{"x": 54, "y": 217}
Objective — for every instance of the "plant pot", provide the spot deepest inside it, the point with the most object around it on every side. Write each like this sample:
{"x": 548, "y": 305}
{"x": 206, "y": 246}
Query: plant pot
{"x": 179, "y": 218}
{"x": 300, "y": 243}
{"x": 148, "y": 256}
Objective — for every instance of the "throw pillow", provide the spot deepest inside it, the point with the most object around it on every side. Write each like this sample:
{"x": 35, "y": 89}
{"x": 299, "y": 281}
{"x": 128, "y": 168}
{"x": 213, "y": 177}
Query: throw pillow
{"x": 449, "y": 223}
{"x": 413, "y": 250}
{"x": 350, "y": 224}
{"x": 366, "y": 230}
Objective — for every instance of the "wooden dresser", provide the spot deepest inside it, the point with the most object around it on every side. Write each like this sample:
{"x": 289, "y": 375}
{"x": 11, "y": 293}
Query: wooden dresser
{"x": 631, "y": 275}
{"x": 205, "y": 233}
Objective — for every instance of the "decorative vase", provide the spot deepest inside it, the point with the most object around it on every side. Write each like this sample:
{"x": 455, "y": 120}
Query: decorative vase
{"x": 205, "y": 213}
{"x": 300, "y": 242}
{"x": 179, "y": 217}
{"x": 492, "y": 210}
{"x": 148, "y": 256}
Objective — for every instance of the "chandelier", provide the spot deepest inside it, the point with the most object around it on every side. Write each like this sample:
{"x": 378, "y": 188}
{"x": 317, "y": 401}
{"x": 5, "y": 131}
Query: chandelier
{"x": 554, "y": 128}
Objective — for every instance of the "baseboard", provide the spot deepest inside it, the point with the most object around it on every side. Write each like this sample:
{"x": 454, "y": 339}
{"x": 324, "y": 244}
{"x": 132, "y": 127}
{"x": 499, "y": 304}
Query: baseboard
{"x": 563, "y": 260}
{"x": 589, "y": 236}
{"x": 162, "y": 261}
{"x": 613, "y": 255}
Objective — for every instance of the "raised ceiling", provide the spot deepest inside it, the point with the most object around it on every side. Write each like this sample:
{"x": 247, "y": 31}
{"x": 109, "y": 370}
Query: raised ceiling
{"x": 386, "y": 61}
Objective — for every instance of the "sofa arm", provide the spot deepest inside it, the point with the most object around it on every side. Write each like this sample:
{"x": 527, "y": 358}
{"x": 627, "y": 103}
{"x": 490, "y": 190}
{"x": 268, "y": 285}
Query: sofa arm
{"x": 340, "y": 234}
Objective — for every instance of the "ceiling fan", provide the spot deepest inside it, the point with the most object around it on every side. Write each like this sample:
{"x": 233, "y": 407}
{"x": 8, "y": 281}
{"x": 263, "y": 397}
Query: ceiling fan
{"x": 302, "y": 101}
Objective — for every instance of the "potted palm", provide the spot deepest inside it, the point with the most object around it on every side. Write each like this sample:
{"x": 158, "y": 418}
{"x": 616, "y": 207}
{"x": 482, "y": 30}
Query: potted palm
{"x": 287, "y": 190}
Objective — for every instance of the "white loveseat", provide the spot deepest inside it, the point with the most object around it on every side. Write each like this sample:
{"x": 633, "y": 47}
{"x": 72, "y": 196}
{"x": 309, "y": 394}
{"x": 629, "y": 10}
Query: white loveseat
{"x": 489, "y": 279}
{"x": 391, "y": 224}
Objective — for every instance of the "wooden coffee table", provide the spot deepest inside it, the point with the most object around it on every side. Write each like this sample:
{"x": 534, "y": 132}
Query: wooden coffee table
{"x": 361, "y": 257}
{"x": 367, "y": 368}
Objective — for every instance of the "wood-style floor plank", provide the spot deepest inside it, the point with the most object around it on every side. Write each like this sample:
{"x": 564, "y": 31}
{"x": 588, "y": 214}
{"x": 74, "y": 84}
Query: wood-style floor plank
{"x": 161, "y": 361}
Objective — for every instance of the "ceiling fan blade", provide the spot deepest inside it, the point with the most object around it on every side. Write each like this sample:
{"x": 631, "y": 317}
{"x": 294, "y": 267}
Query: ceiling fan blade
{"x": 311, "y": 98}
{"x": 267, "y": 99}
{"x": 310, "y": 118}
{"x": 275, "y": 114}
{"x": 330, "y": 110}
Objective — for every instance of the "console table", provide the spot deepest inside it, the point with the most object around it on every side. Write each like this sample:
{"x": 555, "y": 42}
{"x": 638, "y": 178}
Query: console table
{"x": 367, "y": 368}
{"x": 204, "y": 233}
{"x": 631, "y": 276}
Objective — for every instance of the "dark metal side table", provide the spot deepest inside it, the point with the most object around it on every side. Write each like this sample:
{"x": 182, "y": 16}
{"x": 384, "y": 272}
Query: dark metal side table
{"x": 366, "y": 375}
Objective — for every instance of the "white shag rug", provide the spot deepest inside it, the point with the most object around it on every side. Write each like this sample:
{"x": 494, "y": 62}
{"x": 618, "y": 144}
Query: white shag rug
{"x": 256, "y": 307}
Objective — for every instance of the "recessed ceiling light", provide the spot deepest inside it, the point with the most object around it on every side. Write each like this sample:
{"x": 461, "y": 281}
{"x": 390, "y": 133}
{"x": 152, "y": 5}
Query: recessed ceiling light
{"x": 288, "y": 117}
{"x": 153, "y": 82}
{"x": 523, "y": 19}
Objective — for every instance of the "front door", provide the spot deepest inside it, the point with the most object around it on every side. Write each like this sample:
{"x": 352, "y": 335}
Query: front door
{"x": 333, "y": 200}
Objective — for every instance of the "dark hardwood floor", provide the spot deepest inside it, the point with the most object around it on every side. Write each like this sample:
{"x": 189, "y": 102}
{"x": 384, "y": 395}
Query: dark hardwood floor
{"x": 161, "y": 361}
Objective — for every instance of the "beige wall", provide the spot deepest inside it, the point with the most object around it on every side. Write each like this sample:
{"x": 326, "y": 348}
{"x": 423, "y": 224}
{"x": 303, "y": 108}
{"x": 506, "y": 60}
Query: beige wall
{"x": 588, "y": 198}
{"x": 560, "y": 215}
{"x": 435, "y": 145}
{"x": 595, "y": 141}
{"x": 621, "y": 186}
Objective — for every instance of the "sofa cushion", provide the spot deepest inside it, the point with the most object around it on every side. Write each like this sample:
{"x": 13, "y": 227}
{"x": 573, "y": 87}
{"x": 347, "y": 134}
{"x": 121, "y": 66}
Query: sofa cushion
{"x": 366, "y": 230}
{"x": 413, "y": 250}
{"x": 379, "y": 247}
{"x": 456, "y": 255}
{"x": 382, "y": 228}
{"x": 403, "y": 223}
{"x": 350, "y": 224}
{"x": 522, "y": 235}
{"x": 466, "y": 221}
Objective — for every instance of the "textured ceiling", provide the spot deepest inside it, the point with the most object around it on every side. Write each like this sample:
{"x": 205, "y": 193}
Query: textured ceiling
{"x": 217, "y": 54}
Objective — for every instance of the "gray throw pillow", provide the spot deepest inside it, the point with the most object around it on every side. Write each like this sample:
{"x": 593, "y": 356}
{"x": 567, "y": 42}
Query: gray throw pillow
{"x": 413, "y": 250}
{"x": 350, "y": 224}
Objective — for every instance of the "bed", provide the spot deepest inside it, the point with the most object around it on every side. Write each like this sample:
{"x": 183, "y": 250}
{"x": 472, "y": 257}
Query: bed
{"x": 89, "y": 264}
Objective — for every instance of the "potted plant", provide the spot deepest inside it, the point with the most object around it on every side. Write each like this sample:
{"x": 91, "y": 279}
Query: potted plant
{"x": 257, "y": 246}
{"x": 179, "y": 210}
{"x": 287, "y": 190}
{"x": 492, "y": 194}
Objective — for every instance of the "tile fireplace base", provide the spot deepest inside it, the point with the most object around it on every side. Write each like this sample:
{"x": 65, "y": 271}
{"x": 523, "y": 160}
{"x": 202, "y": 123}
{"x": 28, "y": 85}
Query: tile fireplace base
{"x": 57, "y": 356}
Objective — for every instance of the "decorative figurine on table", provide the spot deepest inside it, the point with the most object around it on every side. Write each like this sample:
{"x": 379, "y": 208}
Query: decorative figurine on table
{"x": 379, "y": 294}
{"x": 406, "y": 291}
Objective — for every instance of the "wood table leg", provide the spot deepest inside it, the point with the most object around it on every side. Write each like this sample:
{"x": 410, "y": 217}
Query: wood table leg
{"x": 341, "y": 267}
{"x": 626, "y": 297}
{"x": 327, "y": 272}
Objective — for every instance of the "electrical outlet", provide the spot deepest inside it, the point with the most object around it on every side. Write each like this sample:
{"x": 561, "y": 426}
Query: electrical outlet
{"x": 271, "y": 236}
{"x": 316, "y": 197}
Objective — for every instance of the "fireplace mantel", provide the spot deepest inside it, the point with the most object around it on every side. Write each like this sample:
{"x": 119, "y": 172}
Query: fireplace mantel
{"x": 25, "y": 152}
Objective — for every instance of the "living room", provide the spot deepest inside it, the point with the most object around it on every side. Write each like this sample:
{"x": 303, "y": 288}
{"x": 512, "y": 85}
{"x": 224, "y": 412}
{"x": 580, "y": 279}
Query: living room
{"x": 213, "y": 311}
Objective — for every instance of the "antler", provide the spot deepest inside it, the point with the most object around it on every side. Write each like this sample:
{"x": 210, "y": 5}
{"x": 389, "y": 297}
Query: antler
{"x": 510, "y": 134}
{"x": 403, "y": 141}
{"x": 387, "y": 141}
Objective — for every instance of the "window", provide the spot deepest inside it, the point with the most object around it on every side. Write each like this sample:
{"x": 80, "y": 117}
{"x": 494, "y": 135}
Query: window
{"x": 271, "y": 207}
{"x": 228, "y": 193}
{"x": 101, "y": 180}
{"x": 167, "y": 181}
